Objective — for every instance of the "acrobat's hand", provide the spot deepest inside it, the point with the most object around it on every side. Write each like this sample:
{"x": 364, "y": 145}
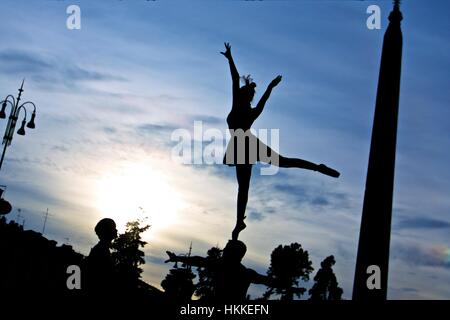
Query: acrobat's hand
{"x": 275, "y": 81}
{"x": 227, "y": 52}
{"x": 172, "y": 257}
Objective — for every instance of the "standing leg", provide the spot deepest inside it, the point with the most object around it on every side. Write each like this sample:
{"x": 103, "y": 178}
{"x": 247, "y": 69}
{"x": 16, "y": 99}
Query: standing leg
{"x": 243, "y": 174}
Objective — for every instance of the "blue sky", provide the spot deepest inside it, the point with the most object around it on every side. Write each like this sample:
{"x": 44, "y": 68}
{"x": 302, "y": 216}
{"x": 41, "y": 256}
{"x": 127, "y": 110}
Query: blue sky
{"x": 109, "y": 96}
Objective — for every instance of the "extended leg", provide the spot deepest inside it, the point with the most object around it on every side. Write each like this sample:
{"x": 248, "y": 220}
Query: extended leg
{"x": 303, "y": 164}
{"x": 268, "y": 155}
{"x": 297, "y": 163}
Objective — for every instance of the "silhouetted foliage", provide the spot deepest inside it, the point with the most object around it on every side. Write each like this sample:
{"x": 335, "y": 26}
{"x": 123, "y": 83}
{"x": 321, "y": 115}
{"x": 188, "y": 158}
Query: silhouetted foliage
{"x": 204, "y": 289}
{"x": 326, "y": 285}
{"x": 127, "y": 254}
{"x": 178, "y": 284}
{"x": 31, "y": 262}
{"x": 288, "y": 265}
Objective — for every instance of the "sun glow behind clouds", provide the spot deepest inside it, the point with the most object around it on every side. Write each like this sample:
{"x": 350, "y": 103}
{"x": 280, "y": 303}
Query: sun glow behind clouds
{"x": 136, "y": 191}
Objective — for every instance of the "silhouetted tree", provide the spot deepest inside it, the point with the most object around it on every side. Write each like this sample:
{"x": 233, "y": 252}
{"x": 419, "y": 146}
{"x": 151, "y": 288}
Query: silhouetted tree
{"x": 29, "y": 262}
{"x": 288, "y": 265}
{"x": 326, "y": 285}
{"x": 128, "y": 256}
{"x": 178, "y": 284}
{"x": 204, "y": 288}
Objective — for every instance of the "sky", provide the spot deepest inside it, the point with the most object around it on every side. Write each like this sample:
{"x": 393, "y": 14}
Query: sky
{"x": 110, "y": 95}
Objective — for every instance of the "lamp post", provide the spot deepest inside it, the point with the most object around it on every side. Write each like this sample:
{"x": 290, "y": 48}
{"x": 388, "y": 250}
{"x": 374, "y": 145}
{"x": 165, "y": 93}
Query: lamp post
{"x": 5, "y": 206}
{"x": 13, "y": 116}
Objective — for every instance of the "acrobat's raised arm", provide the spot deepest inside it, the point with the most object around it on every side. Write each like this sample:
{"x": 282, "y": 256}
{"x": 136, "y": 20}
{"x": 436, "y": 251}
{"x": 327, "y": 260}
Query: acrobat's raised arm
{"x": 262, "y": 102}
{"x": 192, "y": 261}
{"x": 233, "y": 70}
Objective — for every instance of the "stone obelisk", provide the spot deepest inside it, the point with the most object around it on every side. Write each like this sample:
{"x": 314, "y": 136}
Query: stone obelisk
{"x": 375, "y": 232}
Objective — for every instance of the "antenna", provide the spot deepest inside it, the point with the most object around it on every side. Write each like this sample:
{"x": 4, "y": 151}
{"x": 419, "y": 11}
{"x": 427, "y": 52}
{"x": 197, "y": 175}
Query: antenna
{"x": 19, "y": 216}
{"x": 45, "y": 221}
{"x": 188, "y": 266}
{"x": 190, "y": 250}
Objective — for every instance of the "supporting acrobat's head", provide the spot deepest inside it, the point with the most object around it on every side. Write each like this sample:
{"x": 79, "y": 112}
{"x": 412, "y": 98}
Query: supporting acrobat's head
{"x": 106, "y": 230}
{"x": 247, "y": 91}
{"x": 234, "y": 251}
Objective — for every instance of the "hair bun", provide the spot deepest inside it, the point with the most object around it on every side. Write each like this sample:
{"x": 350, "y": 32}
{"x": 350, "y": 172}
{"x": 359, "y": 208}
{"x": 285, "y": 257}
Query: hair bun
{"x": 248, "y": 80}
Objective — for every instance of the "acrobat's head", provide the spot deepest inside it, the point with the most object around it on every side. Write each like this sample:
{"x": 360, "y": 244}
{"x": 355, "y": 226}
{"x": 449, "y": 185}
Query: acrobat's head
{"x": 106, "y": 230}
{"x": 234, "y": 251}
{"x": 247, "y": 91}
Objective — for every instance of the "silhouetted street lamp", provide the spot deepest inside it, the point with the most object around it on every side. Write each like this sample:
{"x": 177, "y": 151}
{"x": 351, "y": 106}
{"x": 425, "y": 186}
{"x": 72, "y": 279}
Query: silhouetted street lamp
{"x": 13, "y": 116}
{"x": 5, "y": 206}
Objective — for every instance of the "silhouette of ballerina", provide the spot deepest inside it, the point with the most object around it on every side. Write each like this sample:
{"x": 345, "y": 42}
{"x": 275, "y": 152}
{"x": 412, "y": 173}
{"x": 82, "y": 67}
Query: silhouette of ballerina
{"x": 231, "y": 279}
{"x": 101, "y": 272}
{"x": 244, "y": 155}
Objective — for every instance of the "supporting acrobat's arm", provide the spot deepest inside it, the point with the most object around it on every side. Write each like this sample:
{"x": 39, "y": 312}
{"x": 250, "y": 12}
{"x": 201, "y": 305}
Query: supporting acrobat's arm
{"x": 233, "y": 70}
{"x": 258, "y": 278}
{"x": 262, "y": 102}
{"x": 192, "y": 261}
